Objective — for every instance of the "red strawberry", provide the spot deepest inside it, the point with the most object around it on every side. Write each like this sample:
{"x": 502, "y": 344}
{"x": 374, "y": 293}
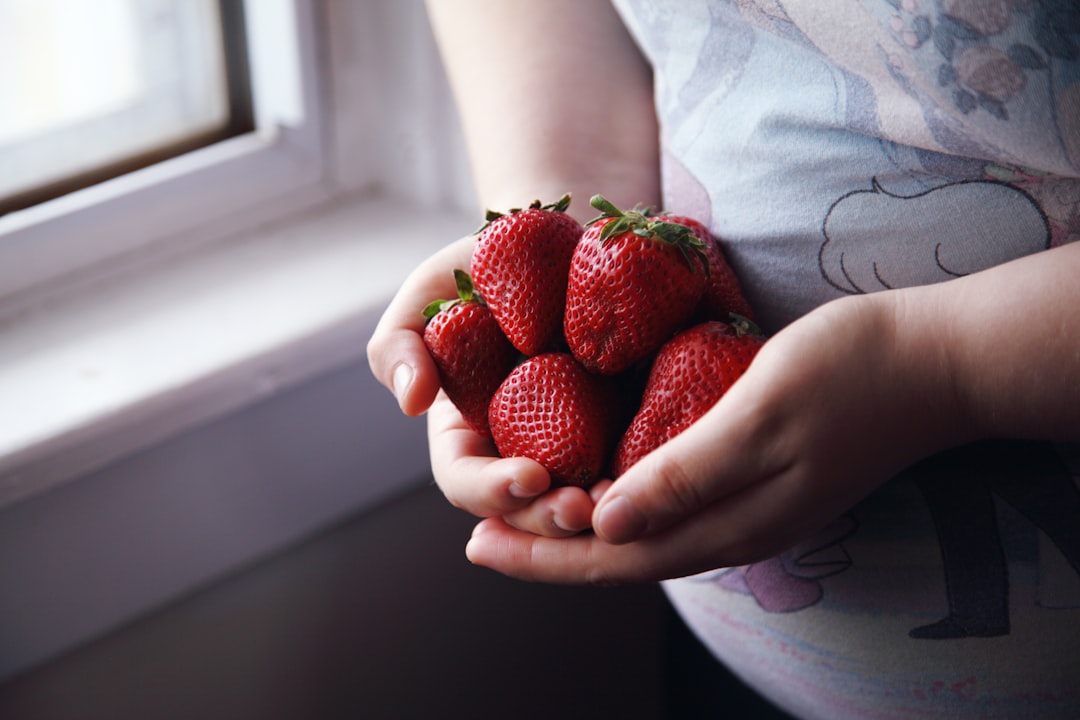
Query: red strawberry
{"x": 520, "y": 264}
{"x": 723, "y": 294}
{"x": 634, "y": 281}
{"x": 471, "y": 352}
{"x": 552, "y": 410}
{"x": 690, "y": 373}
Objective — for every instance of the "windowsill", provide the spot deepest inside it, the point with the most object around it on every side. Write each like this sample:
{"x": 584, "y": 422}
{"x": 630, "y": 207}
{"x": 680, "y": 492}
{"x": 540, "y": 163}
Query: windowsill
{"x": 102, "y": 375}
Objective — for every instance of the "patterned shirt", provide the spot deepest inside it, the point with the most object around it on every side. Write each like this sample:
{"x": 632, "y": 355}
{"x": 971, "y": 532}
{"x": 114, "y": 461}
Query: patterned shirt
{"x": 846, "y": 147}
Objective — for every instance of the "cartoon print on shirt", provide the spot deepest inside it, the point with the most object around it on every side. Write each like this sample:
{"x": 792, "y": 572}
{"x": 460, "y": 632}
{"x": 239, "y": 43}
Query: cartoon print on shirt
{"x": 791, "y": 581}
{"x": 1058, "y": 197}
{"x": 989, "y": 61}
{"x": 875, "y": 240}
{"x": 959, "y": 487}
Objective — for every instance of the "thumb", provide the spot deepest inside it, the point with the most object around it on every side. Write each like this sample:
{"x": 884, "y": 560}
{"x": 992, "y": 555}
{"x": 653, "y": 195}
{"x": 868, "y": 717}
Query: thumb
{"x": 399, "y": 360}
{"x": 712, "y": 459}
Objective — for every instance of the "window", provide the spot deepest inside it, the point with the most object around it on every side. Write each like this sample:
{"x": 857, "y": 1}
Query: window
{"x": 155, "y": 301}
{"x": 93, "y": 90}
{"x": 208, "y": 112}
{"x": 143, "y": 304}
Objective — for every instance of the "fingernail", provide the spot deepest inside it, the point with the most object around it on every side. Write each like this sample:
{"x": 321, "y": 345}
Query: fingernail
{"x": 561, "y": 523}
{"x": 474, "y": 551}
{"x": 403, "y": 377}
{"x": 520, "y": 491}
{"x": 619, "y": 521}
{"x": 565, "y": 526}
{"x": 478, "y": 549}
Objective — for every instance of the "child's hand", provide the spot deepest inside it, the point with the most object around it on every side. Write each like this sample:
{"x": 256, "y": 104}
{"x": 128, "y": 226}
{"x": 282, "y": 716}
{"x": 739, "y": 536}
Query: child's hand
{"x": 832, "y": 406}
{"x": 466, "y": 465}
{"x": 473, "y": 477}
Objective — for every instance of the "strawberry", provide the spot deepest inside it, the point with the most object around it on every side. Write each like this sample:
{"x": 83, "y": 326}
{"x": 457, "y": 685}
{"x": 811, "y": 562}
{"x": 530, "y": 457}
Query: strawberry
{"x": 554, "y": 411}
{"x": 723, "y": 294}
{"x": 520, "y": 265}
{"x": 689, "y": 375}
{"x": 633, "y": 282}
{"x": 471, "y": 352}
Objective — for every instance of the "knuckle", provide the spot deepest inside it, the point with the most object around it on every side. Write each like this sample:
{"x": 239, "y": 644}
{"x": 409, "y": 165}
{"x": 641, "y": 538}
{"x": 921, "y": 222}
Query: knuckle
{"x": 678, "y": 486}
{"x": 602, "y": 568}
{"x": 600, "y": 575}
{"x": 374, "y": 355}
{"x": 454, "y": 500}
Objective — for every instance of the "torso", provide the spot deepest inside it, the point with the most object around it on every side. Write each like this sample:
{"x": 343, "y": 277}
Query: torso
{"x": 945, "y": 141}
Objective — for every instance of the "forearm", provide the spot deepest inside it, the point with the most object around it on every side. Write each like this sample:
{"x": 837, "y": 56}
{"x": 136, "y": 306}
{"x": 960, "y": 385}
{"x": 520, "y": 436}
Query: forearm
{"x": 1006, "y": 344}
{"x": 553, "y": 97}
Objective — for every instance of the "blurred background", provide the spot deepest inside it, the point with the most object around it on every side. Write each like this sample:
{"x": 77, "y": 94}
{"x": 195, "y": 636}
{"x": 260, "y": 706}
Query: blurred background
{"x": 208, "y": 507}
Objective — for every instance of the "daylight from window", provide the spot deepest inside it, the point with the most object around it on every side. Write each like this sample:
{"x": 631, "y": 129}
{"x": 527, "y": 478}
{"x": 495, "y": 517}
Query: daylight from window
{"x": 89, "y": 83}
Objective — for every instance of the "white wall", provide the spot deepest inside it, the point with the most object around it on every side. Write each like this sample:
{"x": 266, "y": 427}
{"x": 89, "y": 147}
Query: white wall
{"x": 117, "y": 542}
{"x": 86, "y": 557}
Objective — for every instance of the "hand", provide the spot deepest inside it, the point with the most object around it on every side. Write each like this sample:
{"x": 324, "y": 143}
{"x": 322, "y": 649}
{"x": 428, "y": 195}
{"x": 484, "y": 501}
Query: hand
{"x": 832, "y": 406}
{"x": 492, "y": 62}
{"x": 466, "y": 466}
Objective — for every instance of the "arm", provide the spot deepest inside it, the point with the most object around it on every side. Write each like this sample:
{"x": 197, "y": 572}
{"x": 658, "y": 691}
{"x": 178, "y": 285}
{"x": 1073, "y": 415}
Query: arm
{"x": 571, "y": 112}
{"x": 834, "y": 405}
{"x": 554, "y": 97}
{"x": 1013, "y": 344}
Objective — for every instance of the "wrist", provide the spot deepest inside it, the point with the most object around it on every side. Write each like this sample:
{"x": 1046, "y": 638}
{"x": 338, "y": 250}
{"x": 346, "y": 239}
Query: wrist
{"x": 1008, "y": 345}
{"x": 929, "y": 369}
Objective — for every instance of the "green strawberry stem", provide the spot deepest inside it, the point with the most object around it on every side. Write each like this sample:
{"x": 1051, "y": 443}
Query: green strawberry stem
{"x": 638, "y": 222}
{"x": 466, "y": 293}
{"x": 560, "y": 205}
{"x": 606, "y": 207}
{"x": 743, "y": 325}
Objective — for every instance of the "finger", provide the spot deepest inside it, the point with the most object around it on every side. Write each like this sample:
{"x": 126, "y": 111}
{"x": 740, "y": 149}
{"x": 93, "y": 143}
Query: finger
{"x": 736, "y": 531}
{"x": 597, "y": 491}
{"x": 561, "y": 512}
{"x": 582, "y": 559}
{"x": 396, "y": 351}
{"x": 469, "y": 471}
{"x": 726, "y": 450}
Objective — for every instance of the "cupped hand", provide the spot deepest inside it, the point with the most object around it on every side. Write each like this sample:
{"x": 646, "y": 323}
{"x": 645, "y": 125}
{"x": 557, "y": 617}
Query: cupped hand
{"x": 466, "y": 465}
{"x": 472, "y": 476}
{"x": 832, "y": 406}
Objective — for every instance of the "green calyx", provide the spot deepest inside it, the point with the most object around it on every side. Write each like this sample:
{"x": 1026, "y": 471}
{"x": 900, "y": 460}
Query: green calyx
{"x": 466, "y": 293}
{"x": 743, "y": 325}
{"x": 559, "y": 205}
{"x": 642, "y": 223}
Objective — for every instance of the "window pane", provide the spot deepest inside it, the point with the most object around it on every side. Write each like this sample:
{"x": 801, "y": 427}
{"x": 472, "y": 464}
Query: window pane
{"x": 86, "y": 85}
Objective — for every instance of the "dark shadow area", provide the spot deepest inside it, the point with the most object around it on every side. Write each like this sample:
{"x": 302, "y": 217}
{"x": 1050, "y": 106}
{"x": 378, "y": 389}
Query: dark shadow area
{"x": 382, "y": 617}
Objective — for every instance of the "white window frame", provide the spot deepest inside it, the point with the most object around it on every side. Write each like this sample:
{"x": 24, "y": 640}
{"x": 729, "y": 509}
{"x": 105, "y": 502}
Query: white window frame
{"x": 252, "y": 178}
{"x": 219, "y": 279}
{"x": 146, "y": 305}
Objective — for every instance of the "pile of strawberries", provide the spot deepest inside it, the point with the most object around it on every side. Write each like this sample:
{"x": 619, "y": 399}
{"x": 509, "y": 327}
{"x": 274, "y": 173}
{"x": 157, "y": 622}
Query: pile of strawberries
{"x": 585, "y": 348}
